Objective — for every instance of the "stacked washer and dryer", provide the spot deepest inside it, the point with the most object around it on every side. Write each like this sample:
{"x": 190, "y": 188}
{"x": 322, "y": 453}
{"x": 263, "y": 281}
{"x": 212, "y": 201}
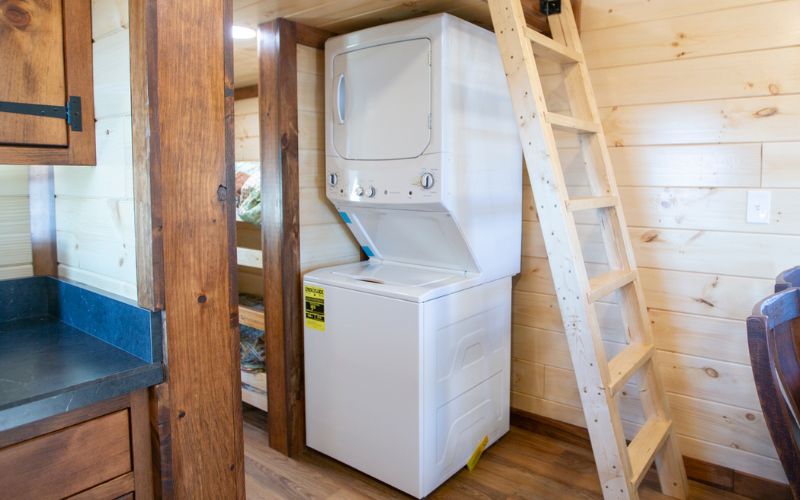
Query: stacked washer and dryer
{"x": 407, "y": 354}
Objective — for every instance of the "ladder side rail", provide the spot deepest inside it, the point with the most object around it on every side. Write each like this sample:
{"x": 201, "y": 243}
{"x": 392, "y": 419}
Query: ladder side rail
{"x": 564, "y": 251}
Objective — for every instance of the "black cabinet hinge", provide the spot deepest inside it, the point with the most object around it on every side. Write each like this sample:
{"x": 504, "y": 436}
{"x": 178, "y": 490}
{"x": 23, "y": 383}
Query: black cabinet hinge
{"x": 71, "y": 112}
{"x": 548, "y": 7}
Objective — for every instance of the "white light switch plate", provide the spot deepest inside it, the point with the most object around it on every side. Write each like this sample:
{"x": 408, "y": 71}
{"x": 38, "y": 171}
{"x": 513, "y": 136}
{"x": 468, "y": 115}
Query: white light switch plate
{"x": 758, "y": 207}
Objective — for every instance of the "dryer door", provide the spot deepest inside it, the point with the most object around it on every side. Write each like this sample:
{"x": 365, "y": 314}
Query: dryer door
{"x": 382, "y": 101}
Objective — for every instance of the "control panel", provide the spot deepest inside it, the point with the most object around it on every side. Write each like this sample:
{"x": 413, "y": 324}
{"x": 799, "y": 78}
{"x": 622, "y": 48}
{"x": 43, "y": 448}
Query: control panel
{"x": 405, "y": 183}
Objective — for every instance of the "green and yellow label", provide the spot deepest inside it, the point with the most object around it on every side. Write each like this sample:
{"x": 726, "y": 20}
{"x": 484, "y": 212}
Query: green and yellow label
{"x": 315, "y": 307}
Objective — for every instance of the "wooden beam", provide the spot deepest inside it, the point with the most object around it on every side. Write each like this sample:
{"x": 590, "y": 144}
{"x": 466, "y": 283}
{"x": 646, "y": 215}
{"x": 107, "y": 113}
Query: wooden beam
{"x": 146, "y": 177}
{"x": 245, "y": 92}
{"x": 280, "y": 231}
{"x": 191, "y": 161}
{"x": 42, "y": 202}
{"x": 312, "y": 37}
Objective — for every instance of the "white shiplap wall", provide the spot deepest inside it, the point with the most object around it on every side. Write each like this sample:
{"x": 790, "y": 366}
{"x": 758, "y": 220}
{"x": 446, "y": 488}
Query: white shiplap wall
{"x": 94, "y": 205}
{"x": 15, "y": 234}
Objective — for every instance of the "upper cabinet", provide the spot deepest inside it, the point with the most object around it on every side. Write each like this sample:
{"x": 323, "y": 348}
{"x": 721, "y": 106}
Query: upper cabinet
{"x": 46, "y": 91}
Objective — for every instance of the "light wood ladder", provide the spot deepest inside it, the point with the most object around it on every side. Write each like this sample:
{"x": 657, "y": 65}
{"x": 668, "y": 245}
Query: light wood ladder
{"x": 621, "y": 467}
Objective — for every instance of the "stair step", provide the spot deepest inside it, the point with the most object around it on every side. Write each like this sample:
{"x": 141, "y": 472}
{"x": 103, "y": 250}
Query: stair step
{"x": 625, "y": 364}
{"x": 602, "y": 285}
{"x": 572, "y": 124}
{"x": 645, "y": 445}
{"x": 592, "y": 202}
{"x": 550, "y": 49}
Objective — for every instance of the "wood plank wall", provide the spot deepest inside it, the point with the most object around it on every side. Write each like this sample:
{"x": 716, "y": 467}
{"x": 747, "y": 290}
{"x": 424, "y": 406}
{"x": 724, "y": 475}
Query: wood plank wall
{"x": 701, "y": 103}
{"x": 324, "y": 238}
{"x": 94, "y": 205}
{"x": 16, "y": 257}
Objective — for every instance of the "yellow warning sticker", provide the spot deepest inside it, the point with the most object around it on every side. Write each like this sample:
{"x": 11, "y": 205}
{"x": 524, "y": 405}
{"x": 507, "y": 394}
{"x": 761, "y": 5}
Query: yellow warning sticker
{"x": 476, "y": 455}
{"x": 315, "y": 307}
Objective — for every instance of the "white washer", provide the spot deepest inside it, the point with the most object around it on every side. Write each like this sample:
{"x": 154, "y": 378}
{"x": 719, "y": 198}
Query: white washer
{"x": 407, "y": 355}
{"x": 410, "y": 373}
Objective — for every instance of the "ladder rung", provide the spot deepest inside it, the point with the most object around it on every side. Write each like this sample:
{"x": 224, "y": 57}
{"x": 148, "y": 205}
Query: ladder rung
{"x": 644, "y": 446}
{"x": 602, "y": 285}
{"x": 625, "y": 364}
{"x": 550, "y": 49}
{"x": 593, "y": 202}
{"x": 572, "y": 124}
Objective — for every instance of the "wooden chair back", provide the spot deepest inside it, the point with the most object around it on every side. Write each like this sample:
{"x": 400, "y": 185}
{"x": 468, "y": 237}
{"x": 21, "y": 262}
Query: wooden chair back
{"x": 773, "y": 336}
{"x": 788, "y": 279}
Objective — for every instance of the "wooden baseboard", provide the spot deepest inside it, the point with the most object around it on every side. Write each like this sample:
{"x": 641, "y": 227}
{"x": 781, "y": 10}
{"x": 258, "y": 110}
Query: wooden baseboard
{"x": 714, "y": 475}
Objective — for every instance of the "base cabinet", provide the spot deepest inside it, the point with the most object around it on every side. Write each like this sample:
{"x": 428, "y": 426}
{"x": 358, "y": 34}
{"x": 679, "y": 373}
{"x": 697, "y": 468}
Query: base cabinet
{"x": 98, "y": 452}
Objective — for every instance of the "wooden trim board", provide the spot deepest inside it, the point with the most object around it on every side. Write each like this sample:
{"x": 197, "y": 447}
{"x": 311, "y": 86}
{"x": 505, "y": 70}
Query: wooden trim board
{"x": 146, "y": 173}
{"x": 42, "y": 202}
{"x": 718, "y": 476}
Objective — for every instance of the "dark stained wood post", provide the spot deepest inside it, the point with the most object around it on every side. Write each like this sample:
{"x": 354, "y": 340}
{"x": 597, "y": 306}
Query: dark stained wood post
{"x": 280, "y": 230}
{"x": 183, "y": 111}
{"x": 42, "y": 202}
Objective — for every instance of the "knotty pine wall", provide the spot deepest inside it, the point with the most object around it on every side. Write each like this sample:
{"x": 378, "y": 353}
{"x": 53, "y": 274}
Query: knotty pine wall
{"x": 94, "y": 205}
{"x": 700, "y": 103}
{"x": 16, "y": 259}
{"x": 324, "y": 238}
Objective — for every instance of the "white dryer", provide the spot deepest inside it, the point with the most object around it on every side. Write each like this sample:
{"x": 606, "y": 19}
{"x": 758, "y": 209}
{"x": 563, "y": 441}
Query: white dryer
{"x": 407, "y": 354}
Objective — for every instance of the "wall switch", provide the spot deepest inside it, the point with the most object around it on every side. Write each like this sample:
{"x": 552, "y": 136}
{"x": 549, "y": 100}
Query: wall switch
{"x": 758, "y": 207}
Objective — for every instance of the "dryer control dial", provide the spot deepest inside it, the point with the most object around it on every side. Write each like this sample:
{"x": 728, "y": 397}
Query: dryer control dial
{"x": 333, "y": 179}
{"x": 426, "y": 180}
{"x": 371, "y": 192}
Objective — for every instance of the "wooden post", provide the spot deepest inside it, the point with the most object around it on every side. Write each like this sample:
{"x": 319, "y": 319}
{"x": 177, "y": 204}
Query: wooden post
{"x": 182, "y": 72}
{"x": 277, "y": 53}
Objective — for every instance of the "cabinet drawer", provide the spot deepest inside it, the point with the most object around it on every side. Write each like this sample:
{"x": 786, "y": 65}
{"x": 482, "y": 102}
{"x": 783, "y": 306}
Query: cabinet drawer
{"x": 67, "y": 461}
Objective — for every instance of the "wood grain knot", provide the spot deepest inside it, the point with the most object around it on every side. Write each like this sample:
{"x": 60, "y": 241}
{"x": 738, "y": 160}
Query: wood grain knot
{"x": 202, "y": 299}
{"x": 17, "y": 16}
{"x": 765, "y": 112}
{"x": 711, "y": 372}
{"x": 649, "y": 236}
{"x": 750, "y": 417}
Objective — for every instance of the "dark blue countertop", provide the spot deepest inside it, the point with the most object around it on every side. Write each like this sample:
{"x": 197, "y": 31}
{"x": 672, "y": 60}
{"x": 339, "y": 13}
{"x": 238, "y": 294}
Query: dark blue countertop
{"x": 64, "y": 346}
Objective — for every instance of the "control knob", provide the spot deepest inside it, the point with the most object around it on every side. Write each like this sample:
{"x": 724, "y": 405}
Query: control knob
{"x": 333, "y": 179}
{"x": 371, "y": 192}
{"x": 426, "y": 180}
{"x": 359, "y": 191}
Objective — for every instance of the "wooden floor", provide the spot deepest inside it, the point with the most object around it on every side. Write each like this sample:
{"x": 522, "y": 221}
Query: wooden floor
{"x": 522, "y": 465}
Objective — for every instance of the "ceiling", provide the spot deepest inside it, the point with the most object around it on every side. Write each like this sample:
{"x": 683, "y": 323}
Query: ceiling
{"x": 338, "y": 16}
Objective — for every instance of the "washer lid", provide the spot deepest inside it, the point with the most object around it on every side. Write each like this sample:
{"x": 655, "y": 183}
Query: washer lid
{"x": 397, "y": 280}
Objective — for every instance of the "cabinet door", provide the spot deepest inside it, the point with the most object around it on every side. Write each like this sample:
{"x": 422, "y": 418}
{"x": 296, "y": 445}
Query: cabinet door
{"x": 32, "y": 58}
{"x": 46, "y": 62}
{"x": 382, "y": 101}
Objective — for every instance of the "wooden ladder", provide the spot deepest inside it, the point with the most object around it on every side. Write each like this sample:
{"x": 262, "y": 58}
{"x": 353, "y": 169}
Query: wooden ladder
{"x": 621, "y": 467}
